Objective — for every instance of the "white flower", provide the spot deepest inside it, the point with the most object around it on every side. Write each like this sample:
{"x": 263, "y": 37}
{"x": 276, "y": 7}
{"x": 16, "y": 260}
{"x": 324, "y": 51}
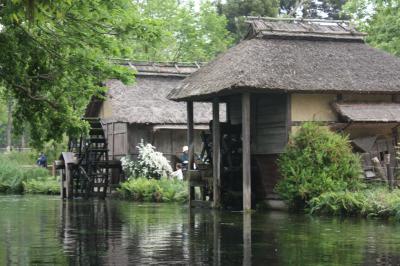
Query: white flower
{"x": 150, "y": 163}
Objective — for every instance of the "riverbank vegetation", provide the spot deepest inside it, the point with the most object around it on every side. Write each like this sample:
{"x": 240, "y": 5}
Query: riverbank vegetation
{"x": 322, "y": 176}
{"x": 315, "y": 161}
{"x": 153, "y": 190}
{"x": 149, "y": 178}
{"x": 19, "y": 174}
{"x": 370, "y": 202}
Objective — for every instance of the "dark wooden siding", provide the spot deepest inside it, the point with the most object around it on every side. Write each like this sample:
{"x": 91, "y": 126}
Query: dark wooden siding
{"x": 171, "y": 141}
{"x": 234, "y": 106}
{"x": 136, "y": 134}
{"x": 116, "y": 134}
{"x": 270, "y": 116}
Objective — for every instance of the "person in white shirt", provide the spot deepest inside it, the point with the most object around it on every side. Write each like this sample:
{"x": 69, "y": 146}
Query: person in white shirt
{"x": 178, "y": 174}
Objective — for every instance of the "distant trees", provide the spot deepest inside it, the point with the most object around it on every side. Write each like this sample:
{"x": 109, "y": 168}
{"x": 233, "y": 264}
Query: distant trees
{"x": 235, "y": 10}
{"x": 380, "y": 19}
{"x": 54, "y": 55}
{"x": 313, "y": 8}
{"x": 186, "y": 35}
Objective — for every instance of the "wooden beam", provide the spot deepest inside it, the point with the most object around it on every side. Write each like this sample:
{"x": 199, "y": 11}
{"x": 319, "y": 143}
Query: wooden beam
{"x": 246, "y": 151}
{"x": 246, "y": 238}
{"x": 190, "y": 134}
{"x": 216, "y": 138}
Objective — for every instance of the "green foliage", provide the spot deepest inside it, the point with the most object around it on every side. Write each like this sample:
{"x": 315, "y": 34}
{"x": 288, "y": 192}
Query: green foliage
{"x": 187, "y": 34}
{"x": 27, "y": 158}
{"x": 52, "y": 62}
{"x": 375, "y": 202}
{"x": 163, "y": 190}
{"x": 380, "y": 19}
{"x": 315, "y": 161}
{"x": 13, "y": 173}
{"x": 42, "y": 185}
{"x": 235, "y": 10}
{"x": 52, "y": 149}
{"x": 329, "y": 9}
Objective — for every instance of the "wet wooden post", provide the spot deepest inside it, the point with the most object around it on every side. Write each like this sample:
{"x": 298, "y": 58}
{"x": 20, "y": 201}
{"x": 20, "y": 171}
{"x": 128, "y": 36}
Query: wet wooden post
{"x": 389, "y": 173}
{"x": 246, "y": 238}
{"x": 246, "y": 151}
{"x": 216, "y": 239}
{"x": 190, "y": 138}
{"x": 216, "y": 154}
{"x": 68, "y": 185}
{"x": 62, "y": 184}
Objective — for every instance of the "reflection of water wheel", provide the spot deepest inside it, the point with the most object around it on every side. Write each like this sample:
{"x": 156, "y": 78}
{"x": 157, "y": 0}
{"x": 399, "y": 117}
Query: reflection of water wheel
{"x": 86, "y": 165}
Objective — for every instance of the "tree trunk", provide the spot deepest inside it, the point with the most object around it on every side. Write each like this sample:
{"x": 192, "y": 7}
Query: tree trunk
{"x": 9, "y": 124}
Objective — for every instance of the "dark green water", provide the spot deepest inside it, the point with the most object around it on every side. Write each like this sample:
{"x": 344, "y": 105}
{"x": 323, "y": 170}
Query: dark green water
{"x": 44, "y": 230}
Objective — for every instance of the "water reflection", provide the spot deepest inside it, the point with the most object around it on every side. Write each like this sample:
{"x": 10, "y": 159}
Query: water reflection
{"x": 45, "y": 230}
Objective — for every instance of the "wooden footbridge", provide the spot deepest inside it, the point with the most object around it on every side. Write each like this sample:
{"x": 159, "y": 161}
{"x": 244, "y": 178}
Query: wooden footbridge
{"x": 86, "y": 169}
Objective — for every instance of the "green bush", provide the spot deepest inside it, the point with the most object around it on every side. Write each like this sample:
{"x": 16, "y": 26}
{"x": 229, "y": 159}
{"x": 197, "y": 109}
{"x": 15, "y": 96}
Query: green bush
{"x": 16, "y": 168}
{"x": 13, "y": 173}
{"x": 315, "y": 161}
{"x": 153, "y": 190}
{"x": 375, "y": 202}
{"x": 42, "y": 185}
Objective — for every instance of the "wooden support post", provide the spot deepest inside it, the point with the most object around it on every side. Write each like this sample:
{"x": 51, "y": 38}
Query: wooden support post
{"x": 62, "y": 184}
{"x": 246, "y": 151}
{"x": 190, "y": 134}
{"x": 216, "y": 138}
{"x": 216, "y": 238}
{"x": 389, "y": 174}
{"x": 68, "y": 177}
{"x": 246, "y": 238}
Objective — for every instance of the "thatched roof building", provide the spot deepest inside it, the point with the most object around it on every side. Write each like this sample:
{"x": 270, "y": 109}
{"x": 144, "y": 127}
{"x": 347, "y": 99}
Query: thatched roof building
{"x": 300, "y": 56}
{"x": 141, "y": 110}
{"x": 288, "y": 71}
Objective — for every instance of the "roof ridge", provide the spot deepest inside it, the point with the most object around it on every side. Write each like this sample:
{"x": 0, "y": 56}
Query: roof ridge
{"x": 158, "y": 63}
{"x": 302, "y": 28}
{"x": 298, "y": 19}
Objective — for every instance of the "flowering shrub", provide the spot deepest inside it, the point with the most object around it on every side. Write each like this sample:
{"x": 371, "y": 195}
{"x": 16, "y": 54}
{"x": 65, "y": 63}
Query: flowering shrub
{"x": 150, "y": 163}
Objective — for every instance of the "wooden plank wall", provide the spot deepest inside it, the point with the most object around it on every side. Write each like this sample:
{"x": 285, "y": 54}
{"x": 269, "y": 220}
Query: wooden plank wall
{"x": 137, "y": 133}
{"x": 269, "y": 123}
{"x": 116, "y": 134}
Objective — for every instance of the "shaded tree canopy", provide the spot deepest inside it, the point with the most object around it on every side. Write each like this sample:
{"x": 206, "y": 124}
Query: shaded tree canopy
{"x": 330, "y": 9}
{"x": 380, "y": 19}
{"x": 54, "y": 55}
{"x": 235, "y": 10}
{"x": 187, "y": 34}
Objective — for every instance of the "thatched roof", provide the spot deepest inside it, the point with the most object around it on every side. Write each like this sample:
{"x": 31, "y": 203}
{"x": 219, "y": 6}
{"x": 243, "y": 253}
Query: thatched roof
{"x": 369, "y": 112}
{"x": 330, "y": 59}
{"x": 160, "y": 69}
{"x": 145, "y": 101}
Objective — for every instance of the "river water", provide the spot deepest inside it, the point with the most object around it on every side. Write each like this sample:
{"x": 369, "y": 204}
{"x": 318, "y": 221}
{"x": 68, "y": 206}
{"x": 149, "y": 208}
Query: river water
{"x": 38, "y": 230}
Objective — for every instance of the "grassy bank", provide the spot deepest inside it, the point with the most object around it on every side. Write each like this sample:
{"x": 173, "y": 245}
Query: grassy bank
{"x": 370, "y": 202}
{"x": 152, "y": 190}
{"x": 19, "y": 174}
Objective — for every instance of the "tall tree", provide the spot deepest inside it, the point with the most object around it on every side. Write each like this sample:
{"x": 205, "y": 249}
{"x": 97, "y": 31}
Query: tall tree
{"x": 380, "y": 19}
{"x": 235, "y": 10}
{"x": 9, "y": 124}
{"x": 188, "y": 34}
{"x": 54, "y": 55}
{"x": 330, "y": 9}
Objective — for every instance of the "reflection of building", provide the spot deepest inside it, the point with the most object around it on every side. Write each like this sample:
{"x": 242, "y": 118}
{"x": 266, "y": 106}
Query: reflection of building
{"x": 284, "y": 73}
{"x": 139, "y": 111}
